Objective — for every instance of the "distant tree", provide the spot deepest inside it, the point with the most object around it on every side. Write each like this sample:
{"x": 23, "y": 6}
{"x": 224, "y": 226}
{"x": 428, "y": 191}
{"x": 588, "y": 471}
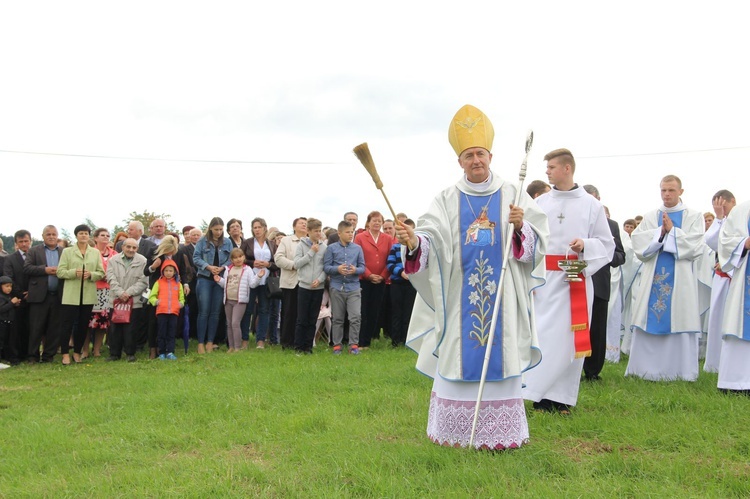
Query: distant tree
{"x": 64, "y": 234}
{"x": 146, "y": 218}
{"x": 8, "y": 243}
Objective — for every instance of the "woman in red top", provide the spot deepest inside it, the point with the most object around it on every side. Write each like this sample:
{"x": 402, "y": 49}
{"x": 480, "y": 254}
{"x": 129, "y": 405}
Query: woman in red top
{"x": 375, "y": 246}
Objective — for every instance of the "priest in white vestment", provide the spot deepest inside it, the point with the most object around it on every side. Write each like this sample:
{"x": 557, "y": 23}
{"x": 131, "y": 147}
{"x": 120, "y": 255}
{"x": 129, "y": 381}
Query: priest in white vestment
{"x": 734, "y": 242}
{"x": 723, "y": 203}
{"x": 453, "y": 259}
{"x": 666, "y": 318}
{"x": 578, "y": 230}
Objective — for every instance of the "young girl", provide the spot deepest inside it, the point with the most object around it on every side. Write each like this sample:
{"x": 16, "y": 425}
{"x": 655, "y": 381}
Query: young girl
{"x": 168, "y": 298}
{"x": 237, "y": 281}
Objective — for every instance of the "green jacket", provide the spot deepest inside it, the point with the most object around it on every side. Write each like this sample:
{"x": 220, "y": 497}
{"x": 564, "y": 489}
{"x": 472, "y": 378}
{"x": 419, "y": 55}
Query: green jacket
{"x": 72, "y": 260}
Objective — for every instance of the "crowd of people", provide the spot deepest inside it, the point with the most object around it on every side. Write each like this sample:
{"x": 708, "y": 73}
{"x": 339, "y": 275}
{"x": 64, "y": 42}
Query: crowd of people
{"x": 142, "y": 292}
{"x": 492, "y": 326}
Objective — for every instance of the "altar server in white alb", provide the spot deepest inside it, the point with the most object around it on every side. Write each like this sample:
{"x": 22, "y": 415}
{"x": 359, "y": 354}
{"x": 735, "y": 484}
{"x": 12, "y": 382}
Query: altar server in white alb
{"x": 666, "y": 320}
{"x": 723, "y": 203}
{"x": 578, "y": 230}
{"x": 734, "y": 242}
{"x": 453, "y": 259}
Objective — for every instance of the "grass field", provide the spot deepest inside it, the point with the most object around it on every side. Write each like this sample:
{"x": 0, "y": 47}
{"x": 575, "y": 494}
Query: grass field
{"x": 266, "y": 423}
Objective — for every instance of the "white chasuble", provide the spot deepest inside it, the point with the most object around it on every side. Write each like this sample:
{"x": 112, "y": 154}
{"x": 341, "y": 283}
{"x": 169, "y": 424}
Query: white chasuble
{"x": 462, "y": 239}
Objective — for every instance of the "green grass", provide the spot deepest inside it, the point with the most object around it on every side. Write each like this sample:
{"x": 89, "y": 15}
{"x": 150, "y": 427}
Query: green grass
{"x": 266, "y": 423}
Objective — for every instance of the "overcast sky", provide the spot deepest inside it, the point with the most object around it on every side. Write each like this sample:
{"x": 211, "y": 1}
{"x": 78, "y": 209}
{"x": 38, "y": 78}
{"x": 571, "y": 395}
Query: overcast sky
{"x": 245, "y": 109}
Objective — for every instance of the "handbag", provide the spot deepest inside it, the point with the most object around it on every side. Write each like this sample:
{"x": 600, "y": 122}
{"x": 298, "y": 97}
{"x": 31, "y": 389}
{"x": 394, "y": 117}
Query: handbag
{"x": 121, "y": 311}
{"x": 273, "y": 286}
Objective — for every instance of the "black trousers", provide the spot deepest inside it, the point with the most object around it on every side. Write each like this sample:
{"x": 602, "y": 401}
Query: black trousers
{"x": 74, "y": 318}
{"x": 403, "y": 295}
{"x": 16, "y": 346}
{"x": 140, "y": 326}
{"x": 122, "y": 336}
{"x": 44, "y": 324}
{"x": 167, "y": 327}
{"x": 385, "y": 322}
{"x": 308, "y": 308}
{"x": 5, "y": 327}
{"x": 372, "y": 300}
{"x": 288, "y": 316}
{"x": 593, "y": 365}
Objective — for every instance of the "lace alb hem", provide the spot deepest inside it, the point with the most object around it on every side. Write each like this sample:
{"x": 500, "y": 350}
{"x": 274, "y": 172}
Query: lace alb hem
{"x": 501, "y": 425}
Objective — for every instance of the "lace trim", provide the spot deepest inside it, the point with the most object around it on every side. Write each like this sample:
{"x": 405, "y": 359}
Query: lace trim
{"x": 501, "y": 425}
{"x": 528, "y": 241}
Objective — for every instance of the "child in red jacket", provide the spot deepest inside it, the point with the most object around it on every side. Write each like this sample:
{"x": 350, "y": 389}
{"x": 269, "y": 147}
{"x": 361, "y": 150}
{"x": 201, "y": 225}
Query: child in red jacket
{"x": 168, "y": 298}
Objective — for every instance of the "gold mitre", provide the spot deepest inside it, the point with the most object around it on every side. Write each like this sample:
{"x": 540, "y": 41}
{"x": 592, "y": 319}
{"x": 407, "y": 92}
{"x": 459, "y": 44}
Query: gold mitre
{"x": 470, "y": 128}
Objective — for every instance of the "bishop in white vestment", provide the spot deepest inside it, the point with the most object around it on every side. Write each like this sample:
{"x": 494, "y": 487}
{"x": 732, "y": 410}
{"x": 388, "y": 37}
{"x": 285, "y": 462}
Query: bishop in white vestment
{"x": 454, "y": 259}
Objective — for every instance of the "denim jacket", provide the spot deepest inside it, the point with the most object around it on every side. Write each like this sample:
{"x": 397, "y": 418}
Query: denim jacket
{"x": 204, "y": 255}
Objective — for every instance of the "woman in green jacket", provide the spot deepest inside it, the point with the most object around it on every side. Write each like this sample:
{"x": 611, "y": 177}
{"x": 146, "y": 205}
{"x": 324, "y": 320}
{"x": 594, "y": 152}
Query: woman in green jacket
{"x": 81, "y": 266}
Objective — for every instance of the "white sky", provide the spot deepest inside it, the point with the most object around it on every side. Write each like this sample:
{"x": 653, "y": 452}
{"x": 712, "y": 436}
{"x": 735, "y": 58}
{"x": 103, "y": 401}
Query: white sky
{"x": 287, "y": 82}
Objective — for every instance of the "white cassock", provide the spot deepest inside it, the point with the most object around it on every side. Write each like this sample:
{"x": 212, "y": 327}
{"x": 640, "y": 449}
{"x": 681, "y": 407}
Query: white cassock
{"x": 572, "y": 214}
{"x": 719, "y": 288}
{"x": 703, "y": 268}
{"x": 614, "y": 316}
{"x": 734, "y": 366}
{"x": 456, "y": 278}
{"x": 666, "y": 319}
{"x": 630, "y": 270}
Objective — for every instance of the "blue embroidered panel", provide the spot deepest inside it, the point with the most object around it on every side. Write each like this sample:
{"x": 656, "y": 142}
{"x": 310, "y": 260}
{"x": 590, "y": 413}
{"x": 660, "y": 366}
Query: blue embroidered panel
{"x": 481, "y": 260}
{"x": 660, "y": 300}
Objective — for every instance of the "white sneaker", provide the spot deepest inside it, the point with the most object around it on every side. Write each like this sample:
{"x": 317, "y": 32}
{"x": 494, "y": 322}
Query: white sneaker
{"x": 3, "y": 366}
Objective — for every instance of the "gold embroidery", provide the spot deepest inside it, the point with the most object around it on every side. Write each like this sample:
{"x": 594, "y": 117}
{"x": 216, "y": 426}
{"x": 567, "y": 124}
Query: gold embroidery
{"x": 663, "y": 292}
{"x": 469, "y": 123}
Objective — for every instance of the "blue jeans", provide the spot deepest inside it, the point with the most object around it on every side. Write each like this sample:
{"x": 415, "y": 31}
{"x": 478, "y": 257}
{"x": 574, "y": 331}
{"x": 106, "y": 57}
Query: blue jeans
{"x": 210, "y": 300}
{"x": 275, "y": 318}
{"x": 262, "y": 310}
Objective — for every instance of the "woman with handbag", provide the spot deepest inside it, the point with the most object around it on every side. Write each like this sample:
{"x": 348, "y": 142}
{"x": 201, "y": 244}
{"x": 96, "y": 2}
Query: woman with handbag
{"x": 259, "y": 252}
{"x": 99, "y": 323}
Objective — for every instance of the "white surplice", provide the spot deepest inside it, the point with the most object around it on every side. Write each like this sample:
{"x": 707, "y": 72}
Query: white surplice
{"x": 572, "y": 214}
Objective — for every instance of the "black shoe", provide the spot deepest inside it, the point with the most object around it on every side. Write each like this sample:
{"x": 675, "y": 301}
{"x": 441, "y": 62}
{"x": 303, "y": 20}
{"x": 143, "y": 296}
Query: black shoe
{"x": 131, "y": 358}
{"x": 593, "y": 377}
{"x": 112, "y": 358}
{"x": 561, "y": 408}
{"x": 544, "y": 405}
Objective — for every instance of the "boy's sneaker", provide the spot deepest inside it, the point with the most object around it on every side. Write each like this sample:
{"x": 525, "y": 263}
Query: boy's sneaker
{"x": 162, "y": 357}
{"x": 354, "y": 350}
{"x": 337, "y": 350}
{"x": 3, "y": 366}
{"x": 171, "y": 356}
